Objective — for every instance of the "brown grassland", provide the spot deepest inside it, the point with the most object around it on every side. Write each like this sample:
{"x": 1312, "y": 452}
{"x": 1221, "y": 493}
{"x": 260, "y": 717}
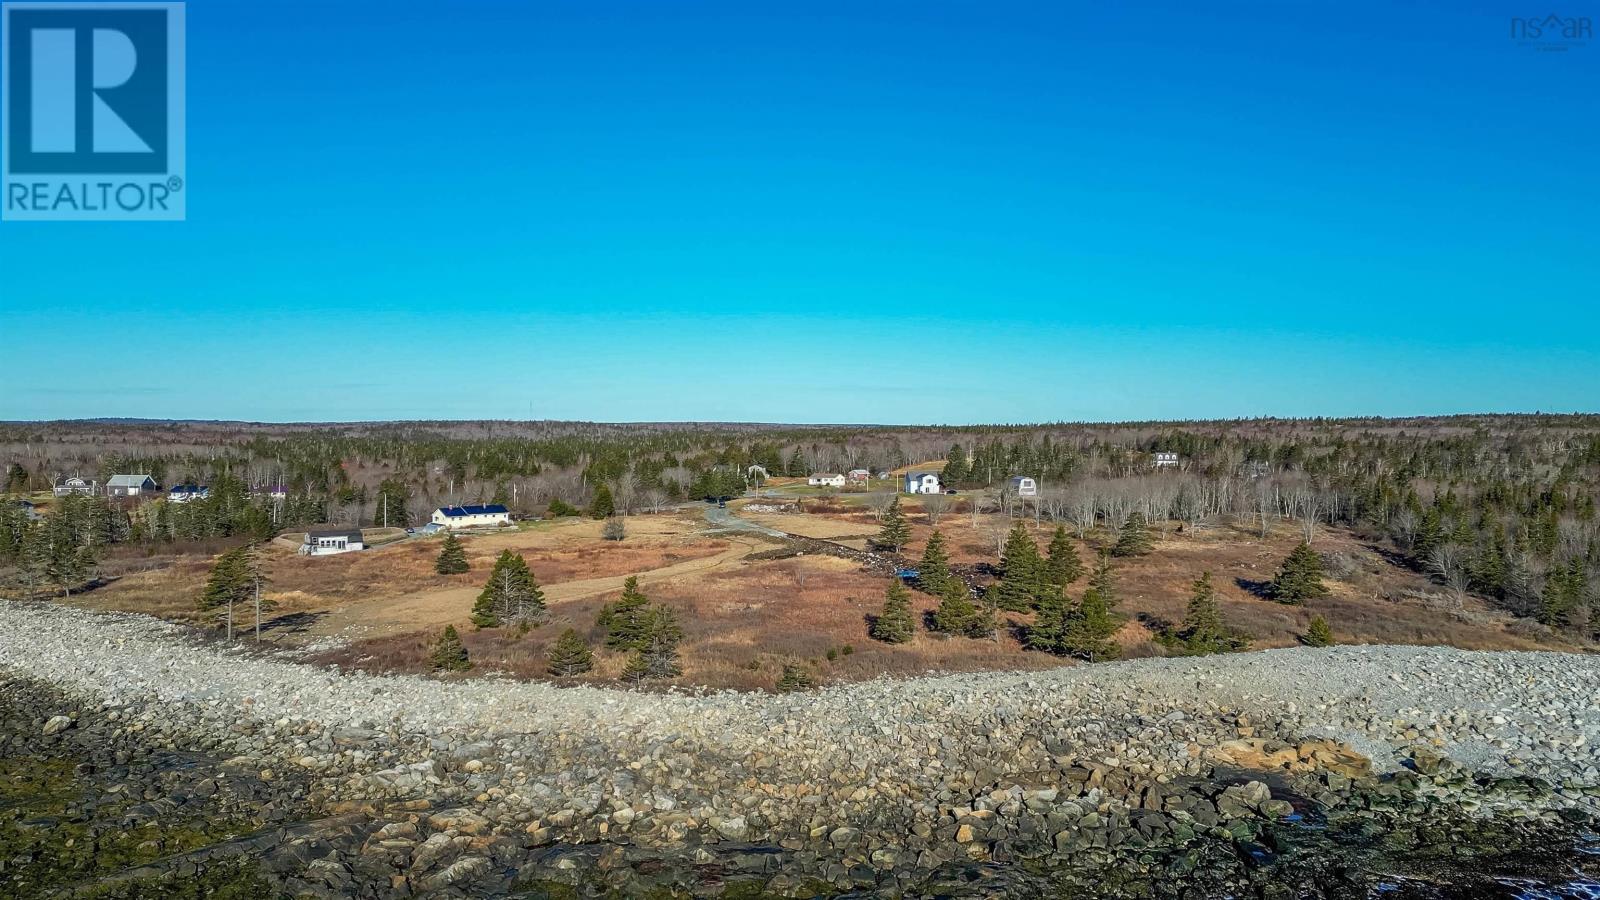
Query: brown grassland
{"x": 746, "y": 613}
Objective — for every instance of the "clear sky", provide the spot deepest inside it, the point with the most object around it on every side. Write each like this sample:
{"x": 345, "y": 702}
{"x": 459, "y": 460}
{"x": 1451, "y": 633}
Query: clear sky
{"x": 840, "y": 212}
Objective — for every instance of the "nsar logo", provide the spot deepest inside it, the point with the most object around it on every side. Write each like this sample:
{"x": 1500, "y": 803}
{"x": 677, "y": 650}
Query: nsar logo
{"x": 92, "y": 111}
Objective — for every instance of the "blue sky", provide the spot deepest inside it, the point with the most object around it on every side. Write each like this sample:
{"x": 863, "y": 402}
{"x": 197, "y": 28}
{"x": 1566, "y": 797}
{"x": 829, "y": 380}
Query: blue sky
{"x": 852, "y": 212}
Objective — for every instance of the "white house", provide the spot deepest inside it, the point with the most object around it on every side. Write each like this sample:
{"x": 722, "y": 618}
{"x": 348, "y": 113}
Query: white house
{"x": 183, "y": 493}
{"x": 75, "y": 485}
{"x": 130, "y": 485}
{"x": 325, "y": 542}
{"x": 859, "y": 475}
{"x": 1164, "y": 458}
{"x": 489, "y": 516}
{"x": 826, "y": 479}
{"x": 922, "y": 483}
{"x": 1023, "y": 486}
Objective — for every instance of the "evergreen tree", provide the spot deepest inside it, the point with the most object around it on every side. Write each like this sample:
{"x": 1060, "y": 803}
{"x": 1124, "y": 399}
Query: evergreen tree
{"x": 1062, "y": 565}
{"x": 934, "y": 569}
{"x": 1318, "y": 634}
{"x": 1023, "y": 578}
{"x": 388, "y": 507}
{"x": 67, "y": 558}
{"x": 569, "y": 655}
{"x": 511, "y": 597}
{"x": 1088, "y": 632}
{"x": 657, "y": 655}
{"x": 956, "y": 467}
{"x": 1300, "y": 577}
{"x": 796, "y": 467}
{"x": 894, "y": 624}
{"x": 625, "y": 619}
{"x": 559, "y": 508}
{"x": 452, "y": 557}
{"x": 1562, "y": 595}
{"x": 896, "y": 531}
{"x": 1134, "y": 537}
{"x": 231, "y": 582}
{"x": 1049, "y": 629}
{"x": 794, "y": 679}
{"x": 450, "y": 654}
{"x": 1102, "y": 580}
{"x": 957, "y": 614}
{"x": 602, "y": 506}
{"x": 1202, "y": 632}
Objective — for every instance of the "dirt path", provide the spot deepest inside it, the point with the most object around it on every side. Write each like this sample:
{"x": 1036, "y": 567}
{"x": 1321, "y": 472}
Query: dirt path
{"x": 437, "y": 608}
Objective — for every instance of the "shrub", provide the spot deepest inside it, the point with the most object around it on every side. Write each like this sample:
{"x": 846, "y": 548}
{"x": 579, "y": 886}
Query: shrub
{"x": 614, "y": 530}
{"x": 560, "y": 507}
{"x": 794, "y": 679}
{"x": 1318, "y": 634}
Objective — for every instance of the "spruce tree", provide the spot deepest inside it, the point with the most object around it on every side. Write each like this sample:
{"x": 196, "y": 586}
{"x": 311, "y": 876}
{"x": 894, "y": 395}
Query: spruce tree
{"x": 1202, "y": 632}
{"x": 450, "y": 654}
{"x": 1050, "y": 622}
{"x": 624, "y": 620}
{"x": 956, "y": 614}
{"x": 511, "y": 597}
{"x": 896, "y": 532}
{"x": 1089, "y": 630}
{"x": 1134, "y": 537}
{"x": 231, "y": 581}
{"x": 894, "y": 624}
{"x": 657, "y": 655}
{"x": 1062, "y": 565}
{"x": 1103, "y": 580}
{"x": 1300, "y": 577}
{"x": 602, "y": 506}
{"x": 452, "y": 557}
{"x": 1023, "y": 578}
{"x": 569, "y": 655}
{"x": 794, "y": 679}
{"x": 934, "y": 569}
{"x": 1318, "y": 634}
{"x": 956, "y": 467}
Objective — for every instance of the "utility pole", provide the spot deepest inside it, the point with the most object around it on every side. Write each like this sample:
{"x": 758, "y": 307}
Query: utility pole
{"x": 258, "y": 608}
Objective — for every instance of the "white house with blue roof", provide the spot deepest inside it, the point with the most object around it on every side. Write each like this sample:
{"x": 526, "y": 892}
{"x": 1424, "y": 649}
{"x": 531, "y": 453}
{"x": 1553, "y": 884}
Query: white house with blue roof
{"x": 490, "y": 515}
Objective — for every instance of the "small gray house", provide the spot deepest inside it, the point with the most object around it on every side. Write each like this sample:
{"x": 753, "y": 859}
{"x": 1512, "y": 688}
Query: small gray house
{"x": 130, "y": 486}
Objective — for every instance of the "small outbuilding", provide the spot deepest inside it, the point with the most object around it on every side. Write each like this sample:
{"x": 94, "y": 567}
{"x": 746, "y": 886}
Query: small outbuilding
{"x": 1023, "y": 486}
{"x": 490, "y": 515}
{"x": 328, "y": 541}
{"x": 130, "y": 486}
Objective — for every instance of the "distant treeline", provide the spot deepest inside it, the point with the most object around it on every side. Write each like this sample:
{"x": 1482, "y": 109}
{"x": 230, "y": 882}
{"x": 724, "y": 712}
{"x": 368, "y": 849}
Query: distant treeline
{"x": 1498, "y": 505}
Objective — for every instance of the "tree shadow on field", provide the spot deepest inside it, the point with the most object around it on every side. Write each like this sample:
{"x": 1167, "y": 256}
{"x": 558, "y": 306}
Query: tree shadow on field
{"x": 1153, "y": 622}
{"x": 292, "y": 623}
{"x": 1259, "y": 589}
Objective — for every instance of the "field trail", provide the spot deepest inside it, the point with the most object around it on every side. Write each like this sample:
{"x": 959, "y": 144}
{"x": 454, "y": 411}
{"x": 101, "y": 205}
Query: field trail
{"x": 451, "y": 606}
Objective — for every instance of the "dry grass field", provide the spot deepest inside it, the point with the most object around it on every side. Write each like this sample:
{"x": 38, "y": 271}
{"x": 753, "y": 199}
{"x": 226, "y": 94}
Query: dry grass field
{"x": 747, "y": 608}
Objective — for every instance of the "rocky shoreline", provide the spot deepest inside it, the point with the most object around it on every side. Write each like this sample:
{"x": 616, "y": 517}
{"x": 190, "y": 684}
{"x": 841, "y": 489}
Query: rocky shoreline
{"x": 1157, "y": 770}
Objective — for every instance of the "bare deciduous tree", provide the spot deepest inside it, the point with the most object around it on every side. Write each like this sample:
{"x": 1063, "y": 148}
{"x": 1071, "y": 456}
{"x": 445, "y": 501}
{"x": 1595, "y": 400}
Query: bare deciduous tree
{"x": 935, "y": 506}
